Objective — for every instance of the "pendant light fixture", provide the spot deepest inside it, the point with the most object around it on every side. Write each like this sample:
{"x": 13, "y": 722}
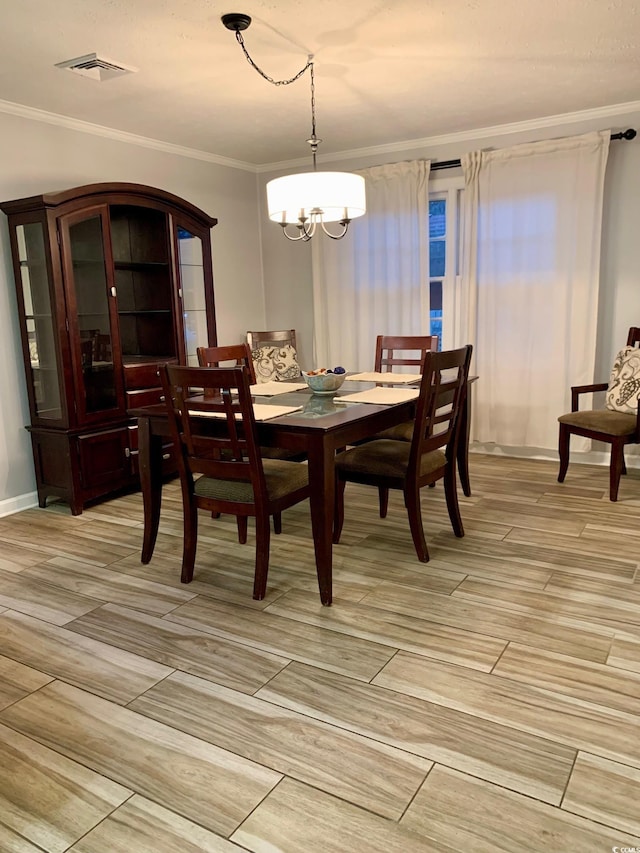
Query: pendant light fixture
{"x": 307, "y": 199}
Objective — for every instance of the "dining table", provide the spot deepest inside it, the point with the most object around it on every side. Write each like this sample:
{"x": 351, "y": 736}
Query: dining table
{"x": 320, "y": 426}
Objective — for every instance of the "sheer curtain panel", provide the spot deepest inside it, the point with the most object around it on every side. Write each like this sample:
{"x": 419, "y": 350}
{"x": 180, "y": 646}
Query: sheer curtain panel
{"x": 531, "y": 227}
{"x": 376, "y": 280}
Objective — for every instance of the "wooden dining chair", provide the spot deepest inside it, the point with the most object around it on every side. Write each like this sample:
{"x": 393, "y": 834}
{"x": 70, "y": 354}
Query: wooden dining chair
{"x": 219, "y": 461}
{"x": 616, "y": 428}
{"x": 430, "y": 456}
{"x": 402, "y": 351}
{"x": 240, "y": 354}
{"x": 282, "y": 336}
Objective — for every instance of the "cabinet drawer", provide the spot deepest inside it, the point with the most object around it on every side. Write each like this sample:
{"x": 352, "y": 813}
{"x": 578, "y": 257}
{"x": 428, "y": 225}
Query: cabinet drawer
{"x": 146, "y": 397}
{"x": 137, "y": 376}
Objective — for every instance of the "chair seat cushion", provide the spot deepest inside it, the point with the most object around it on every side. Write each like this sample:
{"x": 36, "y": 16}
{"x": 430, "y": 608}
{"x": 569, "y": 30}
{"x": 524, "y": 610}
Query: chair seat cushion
{"x": 387, "y": 458}
{"x": 282, "y": 478}
{"x": 601, "y": 420}
{"x": 624, "y": 383}
{"x": 399, "y": 432}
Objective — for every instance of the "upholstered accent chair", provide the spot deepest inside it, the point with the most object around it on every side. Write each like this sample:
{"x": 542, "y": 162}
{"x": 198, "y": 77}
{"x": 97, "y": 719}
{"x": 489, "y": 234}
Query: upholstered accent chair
{"x": 219, "y": 461}
{"x": 428, "y": 457}
{"x": 617, "y": 424}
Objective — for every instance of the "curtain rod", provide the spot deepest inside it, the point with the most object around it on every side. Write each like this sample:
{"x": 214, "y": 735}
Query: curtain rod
{"x": 452, "y": 164}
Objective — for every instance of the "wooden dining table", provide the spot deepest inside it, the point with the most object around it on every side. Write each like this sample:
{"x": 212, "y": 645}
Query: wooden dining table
{"x": 321, "y": 427}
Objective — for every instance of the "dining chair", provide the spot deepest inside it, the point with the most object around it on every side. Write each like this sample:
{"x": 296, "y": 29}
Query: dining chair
{"x": 402, "y": 351}
{"x": 282, "y": 336}
{"x": 241, "y": 354}
{"x": 219, "y": 461}
{"x": 275, "y": 355}
{"x": 238, "y": 353}
{"x": 617, "y": 424}
{"x": 428, "y": 457}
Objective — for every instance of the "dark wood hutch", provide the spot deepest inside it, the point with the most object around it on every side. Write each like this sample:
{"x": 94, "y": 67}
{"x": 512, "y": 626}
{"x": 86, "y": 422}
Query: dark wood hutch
{"x": 112, "y": 280}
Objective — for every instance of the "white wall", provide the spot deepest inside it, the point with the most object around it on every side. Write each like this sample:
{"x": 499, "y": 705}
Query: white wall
{"x": 287, "y": 266}
{"x": 36, "y": 157}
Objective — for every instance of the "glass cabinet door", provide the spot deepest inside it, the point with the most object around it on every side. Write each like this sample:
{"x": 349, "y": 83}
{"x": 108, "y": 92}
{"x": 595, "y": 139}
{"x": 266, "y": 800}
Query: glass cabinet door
{"x": 144, "y": 282}
{"x": 192, "y": 282}
{"x": 96, "y": 372}
{"x": 39, "y": 320}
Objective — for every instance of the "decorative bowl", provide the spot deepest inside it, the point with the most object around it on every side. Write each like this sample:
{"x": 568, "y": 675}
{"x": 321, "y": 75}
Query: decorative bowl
{"x": 324, "y": 384}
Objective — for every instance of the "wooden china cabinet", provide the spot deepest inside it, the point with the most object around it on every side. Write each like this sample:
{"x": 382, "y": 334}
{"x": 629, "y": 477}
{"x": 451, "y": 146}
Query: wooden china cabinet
{"x": 112, "y": 280}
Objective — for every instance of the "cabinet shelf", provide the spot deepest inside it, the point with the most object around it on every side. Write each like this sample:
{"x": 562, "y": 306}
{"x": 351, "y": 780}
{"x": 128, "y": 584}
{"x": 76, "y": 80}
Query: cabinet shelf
{"x": 140, "y": 265}
{"x": 145, "y": 311}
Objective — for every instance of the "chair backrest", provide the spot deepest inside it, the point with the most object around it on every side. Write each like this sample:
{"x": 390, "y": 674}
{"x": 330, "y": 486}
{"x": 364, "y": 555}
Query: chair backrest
{"x": 240, "y": 354}
{"x": 633, "y": 338}
{"x": 275, "y": 357}
{"x": 440, "y": 403}
{"x": 282, "y": 337}
{"x": 404, "y": 350}
{"x": 216, "y": 435}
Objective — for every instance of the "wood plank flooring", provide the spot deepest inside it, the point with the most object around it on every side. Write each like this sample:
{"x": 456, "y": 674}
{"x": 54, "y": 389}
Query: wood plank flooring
{"x": 486, "y": 701}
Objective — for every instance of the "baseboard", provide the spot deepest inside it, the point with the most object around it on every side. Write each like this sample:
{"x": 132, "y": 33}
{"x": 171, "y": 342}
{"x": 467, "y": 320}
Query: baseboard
{"x": 593, "y": 457}
{"x": 11, "y": 505}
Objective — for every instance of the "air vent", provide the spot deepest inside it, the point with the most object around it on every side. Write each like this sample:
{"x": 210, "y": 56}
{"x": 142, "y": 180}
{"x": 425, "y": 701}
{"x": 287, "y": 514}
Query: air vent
{"x": 95, "y": 67}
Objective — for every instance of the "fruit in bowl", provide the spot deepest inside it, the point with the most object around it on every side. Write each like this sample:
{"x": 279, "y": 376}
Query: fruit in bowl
{"x": 323, "y": 381}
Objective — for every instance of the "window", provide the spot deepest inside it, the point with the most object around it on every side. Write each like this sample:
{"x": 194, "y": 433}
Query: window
{"x": 437, "y": 263}
{"x": 444, "y": 202}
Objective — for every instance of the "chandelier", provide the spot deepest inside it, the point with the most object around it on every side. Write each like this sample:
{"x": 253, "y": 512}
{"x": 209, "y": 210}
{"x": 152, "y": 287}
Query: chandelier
{"x": 307, "y": 199}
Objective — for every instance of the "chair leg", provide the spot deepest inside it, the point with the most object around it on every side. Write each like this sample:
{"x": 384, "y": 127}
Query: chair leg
{"x": 383, "y": 499}
{"x": 190, "y": 539}
{"x": 277, "y": 522}
{"x": 242, "y": 522}
{"x": 338, "y": 511}
{"x": 412, "y": 503}
{"x": 563, "y": 450}
{"x": 263, "y": 535}
{"x": 615, "y": 469}
{"x": 451, "y": 495}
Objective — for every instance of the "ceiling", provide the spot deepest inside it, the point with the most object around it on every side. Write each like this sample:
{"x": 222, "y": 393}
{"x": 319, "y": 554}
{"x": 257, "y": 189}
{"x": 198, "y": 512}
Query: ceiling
{"x": 386, "y": 72}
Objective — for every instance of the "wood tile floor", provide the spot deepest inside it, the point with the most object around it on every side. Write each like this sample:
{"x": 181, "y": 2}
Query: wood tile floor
{"x": 486, "y": 701}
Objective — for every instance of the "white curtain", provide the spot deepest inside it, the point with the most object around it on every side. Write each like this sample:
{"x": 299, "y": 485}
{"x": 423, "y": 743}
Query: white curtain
{"x": 375, "y": 281}
{"x": 531, "y": 227}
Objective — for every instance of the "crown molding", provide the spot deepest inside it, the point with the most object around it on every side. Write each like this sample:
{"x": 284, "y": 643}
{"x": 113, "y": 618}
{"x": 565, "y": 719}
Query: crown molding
{"x": 464, "y": 136}
{"x": 120, "y": 135}
{"x": 352, "y": 154}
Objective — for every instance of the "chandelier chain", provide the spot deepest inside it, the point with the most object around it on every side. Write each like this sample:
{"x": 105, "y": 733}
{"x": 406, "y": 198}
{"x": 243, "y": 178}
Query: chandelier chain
{"x": 313, "y": 104}
{"x": 301, "y": 201}
{"x": 266, "y": 76}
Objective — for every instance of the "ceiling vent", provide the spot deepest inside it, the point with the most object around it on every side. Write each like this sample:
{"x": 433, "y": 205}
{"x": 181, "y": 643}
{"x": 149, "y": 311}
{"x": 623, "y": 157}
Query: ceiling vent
{"x": 95, "y": 67}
